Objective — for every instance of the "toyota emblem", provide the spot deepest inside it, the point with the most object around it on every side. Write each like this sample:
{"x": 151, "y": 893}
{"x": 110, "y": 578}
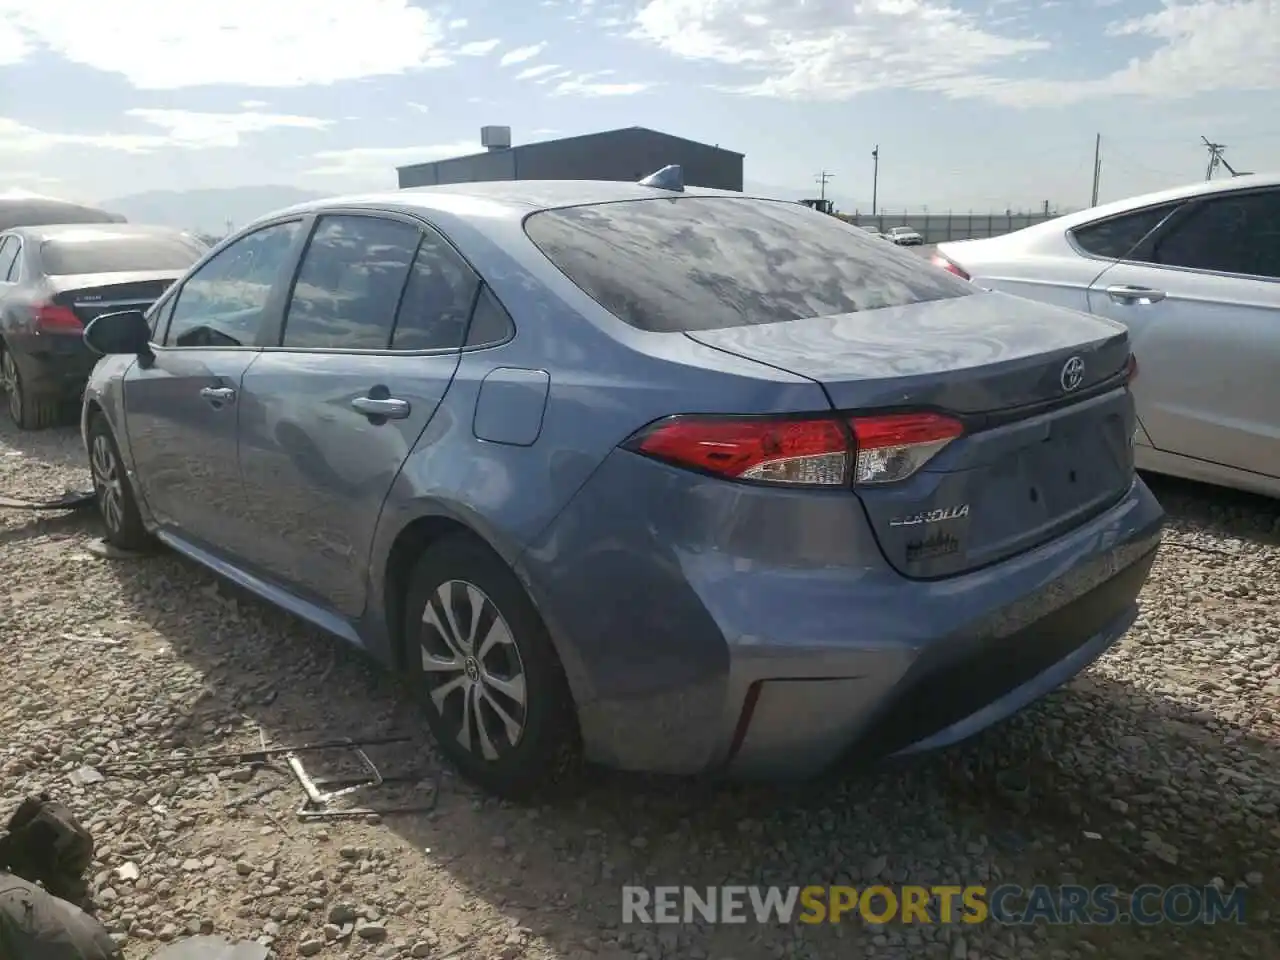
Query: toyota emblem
{"x": 1072, "y": 374}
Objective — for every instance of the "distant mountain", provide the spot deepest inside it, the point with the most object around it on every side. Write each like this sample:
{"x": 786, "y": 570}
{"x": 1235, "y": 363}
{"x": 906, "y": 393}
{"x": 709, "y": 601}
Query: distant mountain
{"x": 207, "y": 211}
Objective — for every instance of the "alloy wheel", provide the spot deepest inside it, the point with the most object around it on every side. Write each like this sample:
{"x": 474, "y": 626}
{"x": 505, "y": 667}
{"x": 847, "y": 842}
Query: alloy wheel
{"x": 473, "y": 668}
{"x": 107, "y": 482}
{"x": 11, "y": 384}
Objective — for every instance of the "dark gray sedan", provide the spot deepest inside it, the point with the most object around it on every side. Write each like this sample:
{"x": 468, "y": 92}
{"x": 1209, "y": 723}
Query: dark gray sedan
{"x": 53, "y": 280}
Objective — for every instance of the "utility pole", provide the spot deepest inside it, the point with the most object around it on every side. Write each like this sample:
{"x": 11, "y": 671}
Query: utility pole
{"x": 1097, "y": 167}
{"x": 875, "y": 177}
{"x": 1046, "y": 208}
{"x": 1216, "y": 158}
{"x": 822, "y": 179}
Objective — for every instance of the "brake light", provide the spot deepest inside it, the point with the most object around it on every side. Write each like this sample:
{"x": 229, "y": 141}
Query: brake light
{"x": 51, "y": 318}
{"x": 812, "y": 451}
{"x": 938, "y": 260}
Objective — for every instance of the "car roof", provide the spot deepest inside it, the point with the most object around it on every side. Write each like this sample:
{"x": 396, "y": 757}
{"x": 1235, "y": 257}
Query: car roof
{"x": 504, "y": 198}
{"x": 1186, "y": 192}
{"x": 79, "y": 231}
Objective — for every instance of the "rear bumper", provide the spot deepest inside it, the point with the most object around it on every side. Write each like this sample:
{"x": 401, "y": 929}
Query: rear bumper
{"x": 696, "y": 641}
{"x": 56, "y": 364}
{"x": 955, "y": 688}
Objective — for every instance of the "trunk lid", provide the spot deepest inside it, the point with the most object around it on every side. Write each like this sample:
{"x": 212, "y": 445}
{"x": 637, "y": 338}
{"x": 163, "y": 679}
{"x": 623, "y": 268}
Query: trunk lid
{"x": 1047, "y": 445}
{"x": 92, "y": 294}
{"x": 973, "y": 354}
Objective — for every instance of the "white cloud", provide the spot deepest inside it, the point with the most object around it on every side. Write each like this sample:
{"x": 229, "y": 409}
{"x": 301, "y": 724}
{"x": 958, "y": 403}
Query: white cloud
{"x": 829, "y": 49}
{"x": 182, "y": 130}
{"x": 18, "y": 138}
{"x": 556, "y": 77}
{"x": 832, "y": 50}
{"x": 541, "y": 70}
{"x": 378, "y": 164}
{"x": 1204, "y": 47}
{"x": 478, "y": 48}
{"x": 189, "y": 129}
{"x": 1207, "y": 46}
{"x": 14, "y": 47}
{"x": 158, "y": 45}
{"x": 252, "y": 104}
{"x": 419, "y": 107}
{"x": 521, "y": 54}
{"x": 585, "y": 85}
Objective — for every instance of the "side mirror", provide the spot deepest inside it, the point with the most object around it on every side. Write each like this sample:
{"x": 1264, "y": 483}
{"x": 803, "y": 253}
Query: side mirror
{"x": 126, "y": 332}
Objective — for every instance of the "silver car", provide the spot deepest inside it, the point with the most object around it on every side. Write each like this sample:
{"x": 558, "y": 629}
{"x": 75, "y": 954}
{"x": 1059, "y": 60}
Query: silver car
{"x": 1194, "y": 273}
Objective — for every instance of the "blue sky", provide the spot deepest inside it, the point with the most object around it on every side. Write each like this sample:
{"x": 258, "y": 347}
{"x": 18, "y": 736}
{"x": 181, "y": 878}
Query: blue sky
{"x": 975, "y": 104}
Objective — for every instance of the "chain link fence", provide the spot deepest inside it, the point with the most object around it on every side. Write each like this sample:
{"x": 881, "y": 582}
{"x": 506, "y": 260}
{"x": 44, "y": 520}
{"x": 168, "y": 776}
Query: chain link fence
{"x": 941, "y": 227}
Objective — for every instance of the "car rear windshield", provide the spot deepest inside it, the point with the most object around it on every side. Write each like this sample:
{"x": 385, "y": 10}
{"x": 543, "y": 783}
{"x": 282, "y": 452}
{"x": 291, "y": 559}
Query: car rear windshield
{"x": 705, "y": 263}
{"x": 117, "y": 253}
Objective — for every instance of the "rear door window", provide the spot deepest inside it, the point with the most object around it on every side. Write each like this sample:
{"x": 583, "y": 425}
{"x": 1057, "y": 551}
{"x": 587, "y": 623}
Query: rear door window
{"x": 705, "y": 263}
{"x": 437, "y": 299}
{"x": 350, "y": 282}
{"x": 1119, "y": 237}
{"x": 1232, "y": 234}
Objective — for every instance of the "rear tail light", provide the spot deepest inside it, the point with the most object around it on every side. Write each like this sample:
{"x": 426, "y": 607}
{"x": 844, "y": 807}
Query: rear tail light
{"x": 938, "y": 260}
{"x": 813, "y": 451}
{"x": 51, "y": 318}
{"x": 894, "y": 447}
{"x": 1131, "y": 369}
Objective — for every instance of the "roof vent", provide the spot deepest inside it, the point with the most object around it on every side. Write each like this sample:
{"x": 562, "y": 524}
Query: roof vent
{"x": 495, "y": 138}
{"x": 670, "y": 177}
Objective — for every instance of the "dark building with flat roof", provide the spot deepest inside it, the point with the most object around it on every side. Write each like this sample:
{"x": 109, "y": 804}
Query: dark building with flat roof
{"x": 626, "y": 154}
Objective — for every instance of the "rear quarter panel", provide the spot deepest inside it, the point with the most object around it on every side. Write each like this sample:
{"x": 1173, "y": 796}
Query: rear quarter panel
{"x": 1033, "y": 263}
{"x": 605, "y": 381}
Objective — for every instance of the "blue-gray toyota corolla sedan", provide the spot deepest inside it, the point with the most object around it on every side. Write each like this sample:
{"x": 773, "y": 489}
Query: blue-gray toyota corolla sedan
{"x": 680, "y": 480}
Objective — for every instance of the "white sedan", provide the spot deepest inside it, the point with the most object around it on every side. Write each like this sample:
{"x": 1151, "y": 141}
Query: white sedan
{"x": 1194, "y": 273}
{"x": 905, "y": 237}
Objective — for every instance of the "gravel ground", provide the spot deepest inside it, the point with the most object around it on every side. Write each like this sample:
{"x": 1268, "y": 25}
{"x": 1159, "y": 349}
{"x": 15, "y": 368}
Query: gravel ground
{"x": 1161, "y": 765}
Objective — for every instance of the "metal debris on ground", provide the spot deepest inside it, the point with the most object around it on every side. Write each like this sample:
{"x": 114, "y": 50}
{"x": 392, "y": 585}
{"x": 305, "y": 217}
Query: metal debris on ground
{"x": 318, "y": 803}
{"x": 211, "y": 948}
{"x": 70, "y": 500}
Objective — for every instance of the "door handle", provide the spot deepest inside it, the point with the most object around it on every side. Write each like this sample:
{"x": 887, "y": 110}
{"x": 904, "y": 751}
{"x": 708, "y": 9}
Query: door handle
{"x": 218, "y": 395}
{"x": 388, "y": 408}
{"x": 1124, "y": 293}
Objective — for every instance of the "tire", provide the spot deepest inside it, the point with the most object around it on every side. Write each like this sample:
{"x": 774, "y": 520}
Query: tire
{"x": 26, "y": 409}
{"x": 511, "y": 750}
{"x": 116, "y": 503}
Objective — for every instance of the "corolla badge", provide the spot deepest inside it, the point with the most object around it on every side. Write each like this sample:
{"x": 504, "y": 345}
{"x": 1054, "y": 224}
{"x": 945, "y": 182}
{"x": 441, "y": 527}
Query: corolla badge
{"x": 1072, "y": 374}
{"x": 931, "y": 516}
